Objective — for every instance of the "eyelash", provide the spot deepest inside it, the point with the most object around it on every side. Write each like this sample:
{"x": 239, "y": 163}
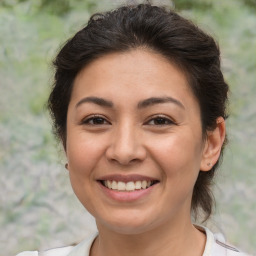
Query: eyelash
{"x": 94, "y": 118}
{"x": 101, "y": 120}
{"x": 161, "y": 118}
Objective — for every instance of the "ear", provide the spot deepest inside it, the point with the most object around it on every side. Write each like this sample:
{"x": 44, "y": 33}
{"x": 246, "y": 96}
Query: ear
{"x": 213, "y": 145}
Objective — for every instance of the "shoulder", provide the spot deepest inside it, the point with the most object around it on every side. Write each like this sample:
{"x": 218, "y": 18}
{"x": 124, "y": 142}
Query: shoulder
{"x": 63, "y": 251}
{"x": 217, "y": 246}
{"x": 34, "y": 253}
{"x": 82, "y": 248}
{"x": 227, "y": 249}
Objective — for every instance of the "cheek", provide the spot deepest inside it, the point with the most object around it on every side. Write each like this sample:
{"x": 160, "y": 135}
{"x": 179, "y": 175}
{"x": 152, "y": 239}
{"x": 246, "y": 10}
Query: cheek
{"x": 83, "y": 153}
{"x": 178, "y": 155}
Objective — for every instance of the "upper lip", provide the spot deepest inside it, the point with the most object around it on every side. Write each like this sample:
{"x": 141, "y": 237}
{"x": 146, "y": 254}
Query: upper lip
{"x": 126, "y": 178}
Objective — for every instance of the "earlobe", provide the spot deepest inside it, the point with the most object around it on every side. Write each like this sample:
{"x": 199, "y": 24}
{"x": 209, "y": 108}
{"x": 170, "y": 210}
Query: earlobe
{"x": 66, "y": 166}
{"x": 213, "y": 145}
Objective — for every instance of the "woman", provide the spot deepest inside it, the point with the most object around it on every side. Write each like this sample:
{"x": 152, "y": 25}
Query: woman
{"x": 139, "y": 103}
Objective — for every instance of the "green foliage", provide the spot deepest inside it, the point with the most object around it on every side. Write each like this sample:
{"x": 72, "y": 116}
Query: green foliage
{"x": 58, "y": 7}
{"x": 37, "y": 102}
{"x": 192, "y": 4}
{"x": 250, "y": 3}
{"x": 54, "y": 7}
{"x": 30, "y": 34}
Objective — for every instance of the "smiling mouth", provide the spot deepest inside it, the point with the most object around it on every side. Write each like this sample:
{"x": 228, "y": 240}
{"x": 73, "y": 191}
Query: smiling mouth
{"x": 128, "y": 186}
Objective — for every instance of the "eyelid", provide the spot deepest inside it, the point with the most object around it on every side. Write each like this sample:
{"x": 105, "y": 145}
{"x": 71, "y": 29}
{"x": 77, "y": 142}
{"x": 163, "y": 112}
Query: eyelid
{"x": 169, "y": 119}
{"x": 87, "y": 119}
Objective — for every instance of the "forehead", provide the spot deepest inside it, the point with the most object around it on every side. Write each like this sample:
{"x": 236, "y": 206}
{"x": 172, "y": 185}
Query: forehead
{"x": 137, "y": 73}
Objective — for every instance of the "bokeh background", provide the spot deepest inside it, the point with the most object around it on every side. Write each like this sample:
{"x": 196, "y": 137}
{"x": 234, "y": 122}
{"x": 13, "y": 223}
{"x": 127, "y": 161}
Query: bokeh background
{"x": 37, "y": 207}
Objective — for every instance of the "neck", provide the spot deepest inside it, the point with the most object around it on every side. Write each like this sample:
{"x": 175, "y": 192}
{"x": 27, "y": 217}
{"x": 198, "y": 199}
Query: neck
{"x": 179, "y": 238}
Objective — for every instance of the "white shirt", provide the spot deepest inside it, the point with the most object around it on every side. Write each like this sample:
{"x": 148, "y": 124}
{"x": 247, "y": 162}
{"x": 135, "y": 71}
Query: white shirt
{"x": 215, "y": 246}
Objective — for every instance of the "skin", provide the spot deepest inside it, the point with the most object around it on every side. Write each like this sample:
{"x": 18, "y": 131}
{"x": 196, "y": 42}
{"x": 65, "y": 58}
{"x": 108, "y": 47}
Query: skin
{"x": 162, "y": 141}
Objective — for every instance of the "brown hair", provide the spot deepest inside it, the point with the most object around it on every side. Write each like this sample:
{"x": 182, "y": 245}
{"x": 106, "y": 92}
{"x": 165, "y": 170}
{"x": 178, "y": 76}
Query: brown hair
{"x": 165, "y": 32}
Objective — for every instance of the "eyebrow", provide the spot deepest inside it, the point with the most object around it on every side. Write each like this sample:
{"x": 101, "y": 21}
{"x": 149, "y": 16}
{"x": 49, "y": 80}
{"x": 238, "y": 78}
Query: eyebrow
{"x": 142, "y": 104}
{"x": 96, "y": 100}
{"x": 159, "y": 100}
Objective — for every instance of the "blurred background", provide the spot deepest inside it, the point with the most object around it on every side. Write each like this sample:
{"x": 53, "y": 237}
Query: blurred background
{"x": 37, "y": 207}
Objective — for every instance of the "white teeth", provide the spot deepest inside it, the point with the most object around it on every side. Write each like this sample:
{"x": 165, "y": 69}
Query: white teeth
{"x": 129, "y": 186}
{"x": 114, "y": 185}
{"x": 144, "y": 184}
{"x": 109, "y": 184}
{"x": 121, "y": 185}
{"x": 138, "y": 184}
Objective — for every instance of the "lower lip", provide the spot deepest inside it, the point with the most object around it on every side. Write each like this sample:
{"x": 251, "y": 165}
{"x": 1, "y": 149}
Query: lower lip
{"x": 128, "y": 196}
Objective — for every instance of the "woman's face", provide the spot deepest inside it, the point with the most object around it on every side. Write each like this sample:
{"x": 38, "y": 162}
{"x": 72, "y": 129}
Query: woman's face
{"x": 134, "y": 141}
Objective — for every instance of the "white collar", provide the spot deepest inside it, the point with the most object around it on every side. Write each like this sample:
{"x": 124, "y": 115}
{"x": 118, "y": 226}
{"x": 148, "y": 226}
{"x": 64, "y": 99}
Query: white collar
{"x": 215, "y": 246}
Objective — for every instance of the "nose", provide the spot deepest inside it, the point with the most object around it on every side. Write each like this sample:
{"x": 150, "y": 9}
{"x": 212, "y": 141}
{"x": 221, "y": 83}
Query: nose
{"x": 126, "y": 145}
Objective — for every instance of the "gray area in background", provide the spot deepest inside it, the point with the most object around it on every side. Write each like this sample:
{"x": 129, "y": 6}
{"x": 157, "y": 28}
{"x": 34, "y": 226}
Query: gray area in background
{"x": 38, "y": 209}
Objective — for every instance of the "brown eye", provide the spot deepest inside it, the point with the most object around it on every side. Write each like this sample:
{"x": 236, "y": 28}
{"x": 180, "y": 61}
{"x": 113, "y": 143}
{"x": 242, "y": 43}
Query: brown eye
{"x": 95, "y": 120}
{"x": 159, "y": 120}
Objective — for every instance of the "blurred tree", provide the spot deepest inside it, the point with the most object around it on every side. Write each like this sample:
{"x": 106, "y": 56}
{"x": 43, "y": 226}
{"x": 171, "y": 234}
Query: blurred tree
{"x": 190, "y": 4}
{"x": 55, "y": 7}
{"x": 250, "y": 3}
{"x": 58, "y": 7}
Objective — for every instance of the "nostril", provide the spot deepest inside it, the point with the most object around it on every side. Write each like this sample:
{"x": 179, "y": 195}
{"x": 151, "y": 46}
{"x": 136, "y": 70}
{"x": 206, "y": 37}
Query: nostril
{"x": 126, "y": 155}
{"x": 125, "y": 161}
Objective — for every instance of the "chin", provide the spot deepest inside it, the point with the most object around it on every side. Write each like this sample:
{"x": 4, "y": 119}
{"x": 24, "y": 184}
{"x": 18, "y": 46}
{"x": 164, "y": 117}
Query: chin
{"x": 128, "y": 229}
{"x": 133, "y": 225}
